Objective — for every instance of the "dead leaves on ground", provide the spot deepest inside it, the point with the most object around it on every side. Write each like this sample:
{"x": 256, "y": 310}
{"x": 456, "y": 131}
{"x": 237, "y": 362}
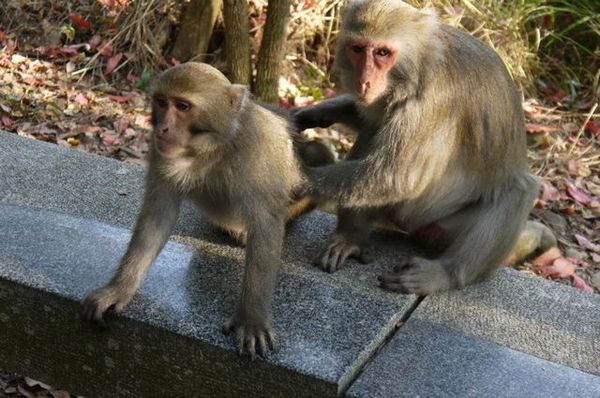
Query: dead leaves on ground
{"x": 566, "y": 154}
{"x": 45, "y": 100}
{"x": 30, "y": 388}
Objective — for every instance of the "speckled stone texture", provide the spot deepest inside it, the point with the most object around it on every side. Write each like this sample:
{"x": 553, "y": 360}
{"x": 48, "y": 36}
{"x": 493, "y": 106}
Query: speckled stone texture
{"x": 428, "y": 360}
{"x": 62, "y": 219}
{"x": 65, "y": 219}
{"x": 526, "y": 313}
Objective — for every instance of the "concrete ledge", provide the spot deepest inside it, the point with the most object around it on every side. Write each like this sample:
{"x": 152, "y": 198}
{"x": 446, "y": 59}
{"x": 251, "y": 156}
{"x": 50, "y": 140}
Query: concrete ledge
{"x": 525, "y": 313}
{"x": 428, "y": 360}
{"x": 328, "y": 325}
{"x": 64, "y": 224}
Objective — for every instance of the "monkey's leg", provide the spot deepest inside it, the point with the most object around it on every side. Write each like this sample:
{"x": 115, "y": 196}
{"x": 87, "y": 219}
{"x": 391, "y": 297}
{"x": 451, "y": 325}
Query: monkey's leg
{"x": 252, "y": 321}
{"x": 155, "y": 222}
{"x": 488, "y": 231}
{"x": 349, "y": 240}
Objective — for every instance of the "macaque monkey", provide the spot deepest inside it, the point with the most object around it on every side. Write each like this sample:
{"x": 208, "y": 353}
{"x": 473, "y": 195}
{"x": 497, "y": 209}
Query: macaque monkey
{"x": 440, "y": 150}
{"x": 236, "y": 161}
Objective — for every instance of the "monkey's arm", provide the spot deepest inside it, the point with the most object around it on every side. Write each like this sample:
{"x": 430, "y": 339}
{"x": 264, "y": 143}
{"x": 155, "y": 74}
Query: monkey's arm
{"x": 155, "y": 222}
{"x": 340, "y": 109}
{"x": 384, "y": 175}
{"x": 252, "y": 321}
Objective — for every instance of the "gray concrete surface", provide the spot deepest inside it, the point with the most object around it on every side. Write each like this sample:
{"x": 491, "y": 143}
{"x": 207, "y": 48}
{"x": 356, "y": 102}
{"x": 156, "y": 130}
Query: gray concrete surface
{"x": 328, "y": 325}
{"x": 428, "y": 360}
{"x": 525, "y": 313}
{"x": 65, "y": 218}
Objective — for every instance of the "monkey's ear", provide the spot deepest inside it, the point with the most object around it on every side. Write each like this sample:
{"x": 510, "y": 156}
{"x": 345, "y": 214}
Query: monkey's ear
{"x": 238, "y": 95}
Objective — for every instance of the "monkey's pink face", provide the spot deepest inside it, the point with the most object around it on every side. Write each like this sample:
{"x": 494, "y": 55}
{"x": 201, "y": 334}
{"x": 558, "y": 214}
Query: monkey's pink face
{"x": 371, "y": 61}
{"x": 172, "y": 119}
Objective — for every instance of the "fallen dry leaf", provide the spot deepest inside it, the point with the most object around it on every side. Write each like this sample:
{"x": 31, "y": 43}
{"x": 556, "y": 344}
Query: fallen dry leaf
{"x": 549, "y": 192}
{"x": 119, "y": 98}
{"x": 536, "y": 128}
{"x": 112, "y": 63}
{"x": 581, "y": 284}
{"x": 35, "y": 383}
{"x": 80, "y": 22}
{"x": 585, "y": 243}
{"x": 547, "y": 257}
{"x": 81, "y": 99}
{"x": 577, "y": 194}
{"x": 6, "y": 121}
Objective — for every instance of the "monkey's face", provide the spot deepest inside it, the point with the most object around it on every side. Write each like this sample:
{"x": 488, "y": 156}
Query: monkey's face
{"x": 181, "y": 125}
{"x": 171, "y": 118}
{"x": 369, "y": 62}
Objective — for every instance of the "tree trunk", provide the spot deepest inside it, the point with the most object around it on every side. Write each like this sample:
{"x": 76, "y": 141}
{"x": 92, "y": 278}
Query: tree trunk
{"x": 272, "y": 50}
{"x": 197, "y": 22}
{"x": 237, "y": 41}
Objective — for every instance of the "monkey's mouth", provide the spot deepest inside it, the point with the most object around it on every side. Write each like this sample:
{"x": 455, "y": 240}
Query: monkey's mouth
{"x": 168, "y": 147}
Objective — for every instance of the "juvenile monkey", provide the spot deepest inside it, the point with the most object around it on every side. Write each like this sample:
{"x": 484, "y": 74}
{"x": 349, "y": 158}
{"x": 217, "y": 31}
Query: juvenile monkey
{"x": 235, "y": 160}
{"x": 440, "y": 150}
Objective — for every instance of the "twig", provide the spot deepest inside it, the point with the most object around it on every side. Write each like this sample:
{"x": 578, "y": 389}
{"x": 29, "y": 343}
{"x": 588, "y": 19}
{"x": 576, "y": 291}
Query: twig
{"x": 582, "y": 129}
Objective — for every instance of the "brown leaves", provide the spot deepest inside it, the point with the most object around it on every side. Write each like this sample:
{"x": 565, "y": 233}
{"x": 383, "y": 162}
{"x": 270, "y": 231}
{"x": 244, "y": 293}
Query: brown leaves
{"x": 30, "y": 388}
{"x": 586, "y": 244}
{"x": 577, "y": 194}
{"x": 80, "y": 22}
{"x": 552, "y": 264}
{"x": 112, "y": 63}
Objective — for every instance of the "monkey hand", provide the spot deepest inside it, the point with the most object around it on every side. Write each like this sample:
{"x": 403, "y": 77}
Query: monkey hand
{"x": 103, "y": 299}
{"x": 300, "y": 120}
{"x": 253, "y": 333}
{"x": 416, "y": 275}
{"x": 338, "y": 250}
{"x": 307, "y": 187}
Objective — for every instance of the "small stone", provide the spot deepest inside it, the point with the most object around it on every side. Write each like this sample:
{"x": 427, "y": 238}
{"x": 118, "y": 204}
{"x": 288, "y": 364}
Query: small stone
{"x": 596, "y": 280}
{"x": 555, "y": 221}
{"x": 574, "y": 253}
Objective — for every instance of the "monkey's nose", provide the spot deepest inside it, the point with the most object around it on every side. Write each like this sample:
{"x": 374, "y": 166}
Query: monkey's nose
{"x": 363, "y": 88}
{"x": 164, "y": 130}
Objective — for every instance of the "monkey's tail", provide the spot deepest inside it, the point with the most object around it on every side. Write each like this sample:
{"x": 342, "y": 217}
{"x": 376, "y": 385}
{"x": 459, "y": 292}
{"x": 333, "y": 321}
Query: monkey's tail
{"x": 299, "y": 207}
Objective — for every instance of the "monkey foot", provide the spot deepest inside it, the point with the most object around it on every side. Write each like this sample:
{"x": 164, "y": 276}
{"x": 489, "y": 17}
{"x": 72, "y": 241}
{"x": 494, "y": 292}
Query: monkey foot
{"x": 338, "y": 250}
{"x": 416, "y": 275}
{"x": 250, "y": 339}
{"x": 101, "y": 300}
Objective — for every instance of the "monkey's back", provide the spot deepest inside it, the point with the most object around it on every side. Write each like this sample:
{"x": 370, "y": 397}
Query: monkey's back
{"x": 491, "y": 127}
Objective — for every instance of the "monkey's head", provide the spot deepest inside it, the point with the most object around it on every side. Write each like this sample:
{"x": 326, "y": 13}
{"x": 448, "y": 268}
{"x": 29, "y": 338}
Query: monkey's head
{"x": 377, "y": 38}
{"x": 195, "y": 109}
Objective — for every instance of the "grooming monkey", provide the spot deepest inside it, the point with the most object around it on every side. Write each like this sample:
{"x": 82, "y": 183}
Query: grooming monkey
{"x": 235, "y": 160}
{"x": 440, "y": 150}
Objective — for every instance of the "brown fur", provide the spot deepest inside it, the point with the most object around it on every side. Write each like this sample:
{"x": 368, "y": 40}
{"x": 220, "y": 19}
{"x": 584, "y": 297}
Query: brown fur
{"x": 444, "y": 143}
{"x": 235, "y": 160}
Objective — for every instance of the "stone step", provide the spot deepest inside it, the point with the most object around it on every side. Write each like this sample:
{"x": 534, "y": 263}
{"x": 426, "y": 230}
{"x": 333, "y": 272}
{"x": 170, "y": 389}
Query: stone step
{"x": 62, "y": 220}
{"x": 425, "y": 359}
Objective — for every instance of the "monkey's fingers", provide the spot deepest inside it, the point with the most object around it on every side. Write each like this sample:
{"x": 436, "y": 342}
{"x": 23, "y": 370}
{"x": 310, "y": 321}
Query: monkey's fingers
{"x": 94, "y": 312}
{"x": 239, "y": 338}
{"x": 392, "y": 281}
{"x": 227, "y": 327}
{"x": 250, "y": 345}
{"x": 262, "y": 343}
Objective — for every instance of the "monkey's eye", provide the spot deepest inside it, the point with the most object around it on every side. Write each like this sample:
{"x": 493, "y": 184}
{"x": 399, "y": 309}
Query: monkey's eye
{"x": 356, "y": 48}
{"x": 161, "y": 102}
{"x": 182, "y": 106}
{"x": 383, "y": 52}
